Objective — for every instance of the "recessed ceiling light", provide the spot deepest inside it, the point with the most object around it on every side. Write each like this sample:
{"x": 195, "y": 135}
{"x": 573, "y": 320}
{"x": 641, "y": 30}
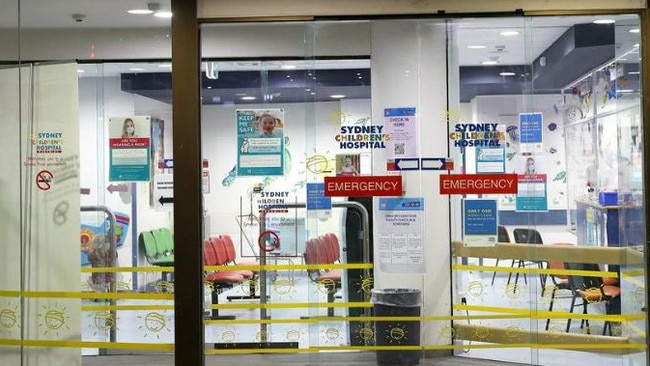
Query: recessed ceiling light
{"x": 248, "y": 97}
{"x": 140, "y": 11}
{"x": 163, "y": 14}
{"x": 489, "y": 62}
{"x": 634, "y": 30}
{"x": 337, "y": 96}
{"x": 136, "y": 69}
{"x": 476, "y": 46}
{"x": 507, "y": 73}
{"x": 312, "y": 93}
{"x": 509, "y": 33}
{"x": 288, "y": 67}
{"x": 80, "y": 71}
{"x": 604, "y": 21}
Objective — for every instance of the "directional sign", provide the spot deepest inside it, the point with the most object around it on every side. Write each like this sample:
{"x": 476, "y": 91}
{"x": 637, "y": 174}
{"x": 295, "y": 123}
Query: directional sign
{"x": 164, "y": 191}
{"x": 407, "y": 164}
{"x": 168, "y": 163}
{"x": 122, "y": 187}
{"x": 434, "y": 164}
{"x": 478, "y": 183}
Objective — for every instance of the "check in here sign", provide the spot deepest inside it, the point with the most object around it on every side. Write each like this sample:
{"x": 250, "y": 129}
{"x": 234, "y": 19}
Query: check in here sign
{"x": 478, "y": 183}
{"x": 390, "y": 185}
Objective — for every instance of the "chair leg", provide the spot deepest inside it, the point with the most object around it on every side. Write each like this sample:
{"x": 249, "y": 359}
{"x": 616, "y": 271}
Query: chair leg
{"x": 495, "y": 272}
{"x": 568, "y": 322}
{"x": 550, "y": 307}
{"x": 510, "y": 274}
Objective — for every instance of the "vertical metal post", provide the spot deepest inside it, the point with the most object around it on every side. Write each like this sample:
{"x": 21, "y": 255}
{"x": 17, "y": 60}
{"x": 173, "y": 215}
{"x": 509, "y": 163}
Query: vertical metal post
{"x": 188, "y": 212}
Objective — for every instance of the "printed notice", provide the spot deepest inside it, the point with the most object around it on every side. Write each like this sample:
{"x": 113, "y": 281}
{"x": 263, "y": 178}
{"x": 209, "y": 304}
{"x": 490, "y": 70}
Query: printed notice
{"x": 400, "y": 235}
{"x": 129, "y": 149}
{"x": 480, "y": 222}
{"x": 400, "y": 125}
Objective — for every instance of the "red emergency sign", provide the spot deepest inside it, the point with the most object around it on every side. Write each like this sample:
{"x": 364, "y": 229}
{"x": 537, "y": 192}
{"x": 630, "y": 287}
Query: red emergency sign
{"x": 390, "y": 185}
{"x": 478, "y": 183}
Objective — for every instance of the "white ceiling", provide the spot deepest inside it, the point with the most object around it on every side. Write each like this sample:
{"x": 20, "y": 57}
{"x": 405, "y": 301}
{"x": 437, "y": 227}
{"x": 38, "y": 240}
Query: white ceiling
{"x": 535, "y": 33}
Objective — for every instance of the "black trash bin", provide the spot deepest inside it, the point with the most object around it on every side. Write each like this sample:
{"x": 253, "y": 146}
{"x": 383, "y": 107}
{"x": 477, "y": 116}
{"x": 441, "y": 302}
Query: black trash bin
{"x": 397, "y": 302}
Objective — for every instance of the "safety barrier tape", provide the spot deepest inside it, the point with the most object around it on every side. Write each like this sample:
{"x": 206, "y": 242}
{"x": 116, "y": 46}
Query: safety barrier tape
{"x": 126, "y": 307}
{"x": 167, "y": 347}
{"x": 87, "y": 344}
{"x": 87, "y": 295}
{"x": 533, "y": 314}
{"x": 238, "y": 267}
{"x": 584, "y": 273}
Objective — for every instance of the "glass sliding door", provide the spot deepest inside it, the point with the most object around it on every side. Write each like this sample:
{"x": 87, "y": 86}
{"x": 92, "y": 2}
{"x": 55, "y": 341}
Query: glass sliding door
{"x": 563, "y": 95}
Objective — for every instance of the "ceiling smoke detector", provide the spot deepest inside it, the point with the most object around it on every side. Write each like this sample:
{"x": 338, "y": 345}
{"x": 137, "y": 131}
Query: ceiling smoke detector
{"x": 78, "y": 17}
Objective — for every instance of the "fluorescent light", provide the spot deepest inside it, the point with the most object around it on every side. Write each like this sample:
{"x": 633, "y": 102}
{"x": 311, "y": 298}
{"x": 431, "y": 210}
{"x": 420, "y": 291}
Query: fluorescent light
{"x": 163, "y": 14}
{"x": 140, "y": 11}
{"x": 136, "y": 69}
{"x": 604, "y": 21}
{"x": 80, "y": 71}
{"x": 507, "y": 73}
{"x": 165, "y": 65}
{"x": 476, "y": 47}
{"x": 337, "y": 96}
{"x": 248, "y": 97}
{"x": 489, "y": 62}
{"x": 634, "y": 30}
{"x": 509, "y": 33}
{"x": 288, "y": 67}
{"x": 624, "y": 90}
{"x": 633, "y": 73}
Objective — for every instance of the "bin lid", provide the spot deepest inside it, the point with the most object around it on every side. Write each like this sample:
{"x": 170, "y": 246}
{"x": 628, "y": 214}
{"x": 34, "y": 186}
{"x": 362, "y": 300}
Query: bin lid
{"x": 396, "y": 296}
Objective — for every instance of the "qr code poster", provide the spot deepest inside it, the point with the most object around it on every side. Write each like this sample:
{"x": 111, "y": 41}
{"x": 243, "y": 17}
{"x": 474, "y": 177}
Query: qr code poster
{"x": 400, "y": 125}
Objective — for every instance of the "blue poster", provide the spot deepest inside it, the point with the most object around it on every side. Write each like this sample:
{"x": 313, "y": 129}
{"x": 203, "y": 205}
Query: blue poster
{"x": 129, "y": 149}
{"x": 316, "y": 199}
{"x": 480, "y": 222}
{"x": 260, "y": 142}
{"x": 530, "y": 128}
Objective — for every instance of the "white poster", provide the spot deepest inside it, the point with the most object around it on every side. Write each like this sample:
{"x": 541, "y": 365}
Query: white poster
{"x": 399, "y": 235}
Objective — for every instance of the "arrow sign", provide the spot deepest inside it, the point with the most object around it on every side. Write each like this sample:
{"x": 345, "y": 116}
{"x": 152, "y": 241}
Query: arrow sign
{"x": 433, "y": 163}
{"x": 168, "y": 163}
{"x": 118, "y": 188}
{"x": 164, "y": 200}
{"x": 407, "y": 164}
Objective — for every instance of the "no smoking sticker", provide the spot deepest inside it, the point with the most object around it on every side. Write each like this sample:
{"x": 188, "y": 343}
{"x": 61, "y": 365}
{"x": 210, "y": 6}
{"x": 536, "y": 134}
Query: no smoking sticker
{"x": 44, "y": 180}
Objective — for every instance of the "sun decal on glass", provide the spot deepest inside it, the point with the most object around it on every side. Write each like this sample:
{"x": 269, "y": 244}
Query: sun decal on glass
{"x": 102, "y": 322}
{"x": 154, "y": 323}
{"x": 53, "y": 319}
{"x": 9, "y": 317}
{"x": 396, "y": 334}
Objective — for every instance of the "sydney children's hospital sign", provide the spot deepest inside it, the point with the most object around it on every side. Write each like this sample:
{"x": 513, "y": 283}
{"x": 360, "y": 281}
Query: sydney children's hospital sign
{"x": 477, "y": 135}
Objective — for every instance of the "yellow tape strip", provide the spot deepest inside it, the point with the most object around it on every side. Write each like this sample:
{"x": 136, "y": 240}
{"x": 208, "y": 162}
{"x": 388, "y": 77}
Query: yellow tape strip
{"x": 125, "y": 269}
{"x": 87, "y": 295}
{"x": 85, "y": 344}
{"x": 293, "y": 305}
{"x": 633, "y": 280}
{"x": 169, "y": 347}
{"x": 633, "y": 273}
{"x": 126, "y": 307}
{"x": 468, "y": 267}
{"x": 289, "y": 267}
{"x": 550, "y": 314}
{"x": 238, "y": 267}
{"x": 259, "y": 321}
